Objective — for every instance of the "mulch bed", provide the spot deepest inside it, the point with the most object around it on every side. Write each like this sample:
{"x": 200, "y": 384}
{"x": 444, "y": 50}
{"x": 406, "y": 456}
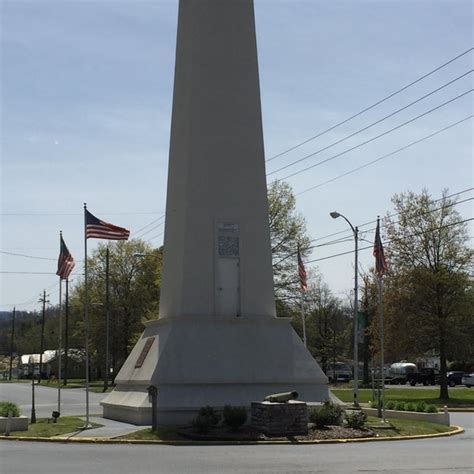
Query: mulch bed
{"x": 247, "y": 434}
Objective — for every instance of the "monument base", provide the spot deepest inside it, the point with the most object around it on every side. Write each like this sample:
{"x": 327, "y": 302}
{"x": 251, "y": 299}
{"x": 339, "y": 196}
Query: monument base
{"x": 211, "y": 361}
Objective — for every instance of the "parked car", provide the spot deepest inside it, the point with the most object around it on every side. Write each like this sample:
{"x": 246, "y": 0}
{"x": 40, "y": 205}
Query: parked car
{"x": 339, "y": 372}
{"x": 454, "y": 378}
{"x": 468, "y": 380}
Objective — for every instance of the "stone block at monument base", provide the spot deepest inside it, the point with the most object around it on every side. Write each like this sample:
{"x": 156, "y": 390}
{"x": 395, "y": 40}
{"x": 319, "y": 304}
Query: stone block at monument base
{"x": 195, "y": 362}
{"x": 280, "y": 419}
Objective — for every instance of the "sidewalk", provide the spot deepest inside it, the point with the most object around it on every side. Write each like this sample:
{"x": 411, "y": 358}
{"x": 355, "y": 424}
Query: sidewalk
{"x": 110, "y": 429}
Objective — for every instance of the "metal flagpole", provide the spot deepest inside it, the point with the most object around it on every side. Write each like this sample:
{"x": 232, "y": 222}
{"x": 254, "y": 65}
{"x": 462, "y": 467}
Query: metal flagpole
{"x": 86, "y": 316}
{"x": 11, "y": 345}
{"x": 107, "y": 319}
{"x": 303, "y": 318}
{"x": 66, "y": 332}
{"x": 380, "y": 288}
{"x": 60, "y": 346}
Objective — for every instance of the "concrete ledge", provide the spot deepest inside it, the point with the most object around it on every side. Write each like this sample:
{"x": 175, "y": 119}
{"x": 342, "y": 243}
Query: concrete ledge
{"x": 18, "y": 423}
{"x": 440, "y": 417}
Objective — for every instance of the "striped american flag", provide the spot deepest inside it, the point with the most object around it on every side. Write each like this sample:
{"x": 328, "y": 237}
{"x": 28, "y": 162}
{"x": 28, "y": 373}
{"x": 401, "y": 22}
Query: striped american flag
{"x": 97, "y": 229}
{"x": 65, "y": 261}
{"x": 302, "y": 272}
{"x": 380, "y": 263}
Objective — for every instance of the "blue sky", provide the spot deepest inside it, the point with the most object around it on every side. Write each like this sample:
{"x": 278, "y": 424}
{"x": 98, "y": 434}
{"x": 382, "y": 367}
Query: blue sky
{"x": 86, "y": 91}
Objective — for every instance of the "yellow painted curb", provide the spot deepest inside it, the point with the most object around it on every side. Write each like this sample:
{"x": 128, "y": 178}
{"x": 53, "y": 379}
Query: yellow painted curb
{"x": 457, "y": 430}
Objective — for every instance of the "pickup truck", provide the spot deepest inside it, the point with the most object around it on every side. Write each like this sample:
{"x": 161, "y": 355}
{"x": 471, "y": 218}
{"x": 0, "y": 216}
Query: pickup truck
{"x": 426, "y": 376}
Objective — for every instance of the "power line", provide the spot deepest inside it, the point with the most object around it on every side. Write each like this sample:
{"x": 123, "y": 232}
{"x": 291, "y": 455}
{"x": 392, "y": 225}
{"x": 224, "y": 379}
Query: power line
{"x": 373, "y": 105}
{"x": 76, "y": 213}
{"x": 151, "y": 229}
{"x": 377, "y": 136}
{"x": 369, "y": 126}
{"x": 149, "y": 224}
{"x": 385, "y": 156}
{"x": 27, "y": 256}
{"x": 387, "y": 241}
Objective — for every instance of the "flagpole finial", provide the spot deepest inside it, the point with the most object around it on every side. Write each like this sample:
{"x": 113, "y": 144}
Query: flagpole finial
{"x": 85, "y": 205}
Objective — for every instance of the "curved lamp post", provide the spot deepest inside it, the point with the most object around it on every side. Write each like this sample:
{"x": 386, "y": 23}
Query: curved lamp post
{"x": 355, "y": 231}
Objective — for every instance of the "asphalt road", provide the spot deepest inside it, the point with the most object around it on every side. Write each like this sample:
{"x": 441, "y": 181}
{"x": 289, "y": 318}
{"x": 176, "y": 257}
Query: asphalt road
{"x": 440, "y": 455}
{"x": 73, "y": 400}
{"x": 435, "y": 456}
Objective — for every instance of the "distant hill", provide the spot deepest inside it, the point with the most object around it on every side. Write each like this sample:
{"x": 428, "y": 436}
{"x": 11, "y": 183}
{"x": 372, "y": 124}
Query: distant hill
{"x": 5, "y": 315}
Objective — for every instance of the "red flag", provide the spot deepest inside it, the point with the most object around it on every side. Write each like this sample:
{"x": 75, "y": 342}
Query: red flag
{"x": 380, "y": 263}
{"x": 302, "y": 272}
{"x": 98, "y": 229}
{"x": 65, "y": 261}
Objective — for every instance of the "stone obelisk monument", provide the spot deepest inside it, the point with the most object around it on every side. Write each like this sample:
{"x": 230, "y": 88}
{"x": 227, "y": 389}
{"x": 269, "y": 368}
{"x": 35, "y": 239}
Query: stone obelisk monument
{"x": 217, "y": 340}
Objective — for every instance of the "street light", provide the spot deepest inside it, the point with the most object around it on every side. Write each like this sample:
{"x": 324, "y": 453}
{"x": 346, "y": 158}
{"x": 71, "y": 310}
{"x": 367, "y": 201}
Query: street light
{"x": 355, "y": 231}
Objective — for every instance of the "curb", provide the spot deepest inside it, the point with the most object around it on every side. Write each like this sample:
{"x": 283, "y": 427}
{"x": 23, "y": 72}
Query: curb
{"x": 457, "y": 430}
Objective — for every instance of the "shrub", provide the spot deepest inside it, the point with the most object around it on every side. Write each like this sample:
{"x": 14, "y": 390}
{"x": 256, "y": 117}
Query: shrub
{"x": 206, "y": 419}
{"x": 374, "y": 404}
{"x": 356, "y": 419}
{"x": 400, "y": 406}
{"x": 431, "y": 408}
{"x": 390, "y": 405}
{"x": 328, "y": 414}
{"x": 421, "y": 406}
{"x": 410, "y": 406}
{"x": 234, "y": 417}
{"x": 5, "y": 407}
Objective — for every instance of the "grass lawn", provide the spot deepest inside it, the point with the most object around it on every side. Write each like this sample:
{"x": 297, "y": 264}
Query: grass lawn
{"x": 459, "y": 397}
{"x": 406, "y": 427}
{"x": 65, "y": 424}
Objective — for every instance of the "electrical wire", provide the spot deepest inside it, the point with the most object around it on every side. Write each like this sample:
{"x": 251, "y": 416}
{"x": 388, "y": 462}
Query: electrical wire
{"x": 383, "y": 157}
{"x": 370, "y": 125}
{"x": 377, "y": 136}
{"x": 393, "y": 94}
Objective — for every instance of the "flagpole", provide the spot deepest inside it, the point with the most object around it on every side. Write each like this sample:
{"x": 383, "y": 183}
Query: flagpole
{"x": 107, "y": 319}
{"x": 86, "y": 316}
{"x": 60, "y": 335}
{"x": 303, "y": 318}
{"x": 380, "y": 302}
{"x": 66, "y": 332}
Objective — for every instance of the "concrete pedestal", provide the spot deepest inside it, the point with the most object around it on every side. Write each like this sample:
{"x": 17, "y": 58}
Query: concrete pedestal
{"x": 212, "y": 361}
{"x": 280, "y": 419}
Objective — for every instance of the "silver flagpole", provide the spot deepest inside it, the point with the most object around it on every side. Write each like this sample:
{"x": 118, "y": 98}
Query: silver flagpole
{"x": 60, "y": 337}
{"x": 86, "y": 316}
{"x": 380, "y": 282}
{"x": 303, "y": 318}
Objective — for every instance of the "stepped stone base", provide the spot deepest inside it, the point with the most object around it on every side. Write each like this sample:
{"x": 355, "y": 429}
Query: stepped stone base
{"x": 195, "y": 362}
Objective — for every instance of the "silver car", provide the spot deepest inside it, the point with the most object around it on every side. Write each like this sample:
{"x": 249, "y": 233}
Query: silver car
{"x": 468, "y": 380}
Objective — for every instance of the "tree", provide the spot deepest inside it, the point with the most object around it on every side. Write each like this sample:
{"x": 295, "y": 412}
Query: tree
{"x": 287, "y": 230}
{"x": 428, "y": 286}
{"x": 134, "y": 282}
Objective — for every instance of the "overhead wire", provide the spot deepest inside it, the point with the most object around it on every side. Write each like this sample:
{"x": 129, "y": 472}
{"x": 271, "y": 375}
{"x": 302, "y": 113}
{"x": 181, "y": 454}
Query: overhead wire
{"x": 384, "y": 99}
{"x": 326, "y": 160}
{"x": 380, "y": 158}
{"x": 370, "y": 125}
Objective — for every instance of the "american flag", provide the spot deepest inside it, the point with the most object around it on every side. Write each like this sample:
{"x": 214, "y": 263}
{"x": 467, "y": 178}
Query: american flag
{"x": 302, "y": 272}
{"x": 65, "y": 261}
{"x": 380, "y": 263}
{"x": 97, "y": 229}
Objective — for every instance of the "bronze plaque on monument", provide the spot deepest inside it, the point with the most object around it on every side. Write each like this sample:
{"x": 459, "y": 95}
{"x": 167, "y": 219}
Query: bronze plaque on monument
{"x": 144, "y": 352}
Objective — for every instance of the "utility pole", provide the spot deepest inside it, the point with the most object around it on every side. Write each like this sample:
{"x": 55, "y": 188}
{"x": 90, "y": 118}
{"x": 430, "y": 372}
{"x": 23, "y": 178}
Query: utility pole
{"x": 44, "y": 301}
{"x": 11, "y": 345}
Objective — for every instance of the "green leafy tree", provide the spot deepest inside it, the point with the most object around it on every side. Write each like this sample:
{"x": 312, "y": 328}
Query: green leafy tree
{"x": 428, "y": 288}
{"x": 134, "y": 289}
{"x": 287, "y": 230}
